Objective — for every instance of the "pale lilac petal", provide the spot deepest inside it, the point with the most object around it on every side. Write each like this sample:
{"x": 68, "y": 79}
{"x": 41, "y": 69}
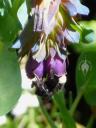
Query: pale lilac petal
{"x": 50, "y": 20}
{"x": 35, "y": 48}
{"x": 81, "y": 9}
{"x": 71, "y": 8}
{"x": 49, "y": 27}
{"x": 22, "y": 14}
{"x": 60, "y": 36}
{"x": 52, "y": 52}
{"x": 38, "y": 20}
{"x": 39, "y": 71}
{"x": 16, "y": 45}
{"x": 53, "y": 9}
{"x": 72, "y": 36}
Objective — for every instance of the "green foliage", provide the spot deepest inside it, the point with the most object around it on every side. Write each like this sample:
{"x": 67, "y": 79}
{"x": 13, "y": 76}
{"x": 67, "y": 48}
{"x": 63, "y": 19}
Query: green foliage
{"x": 9, "y": 23}
{"x": 87, "y": 42}
{"x": 66, "y": 118}
{"x": 85, "y": 76}
{"x": 10, "y": 77}
{"x": 50, "y": 121}
{"x": 9, "y": 27}
{"x": 88, "y": 31}
{"x": 10, "y": 80}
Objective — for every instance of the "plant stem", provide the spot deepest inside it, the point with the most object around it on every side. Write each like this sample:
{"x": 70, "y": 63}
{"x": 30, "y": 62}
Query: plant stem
{"x": 70, "y": 100}
{"x": 77, "y": 99}
{"x": 50, "y": 121}
{"x": 79, "y": 96}
{"x": 90, "y": 122}
{"x": 63, "y": 126}
{"x": 64, "y": 114}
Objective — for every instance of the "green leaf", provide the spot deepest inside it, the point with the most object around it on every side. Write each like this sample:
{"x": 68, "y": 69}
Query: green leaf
{"x": 89, "y": 25}
{"x": 50, "y": 121}
{"x": 16, "y": 5}
{"x": 10, "y": 80}
{"x": 65, "y": 15}
{"x": 88, "y": 31}
{"x": 9, "y": 23}
{"x": 83, "y": 47}
{"x": 29, "y": 6}
{"x": 68, "y": 121}
{"x": 9, "y": 27}
{"x": 86, "y": 76}
{"x": 88, "y": 36}
{"x": 1, "y": 4}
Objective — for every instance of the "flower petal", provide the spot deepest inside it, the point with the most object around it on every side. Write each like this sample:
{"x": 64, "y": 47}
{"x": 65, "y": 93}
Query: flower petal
{"x": 22, "y": 14}
{"x": 31, "y": 65}
{"x": 40, "y": 55}
{"x": 71, "y": 8}
{"x": 72, "y": 36}
{"x": 53, "y": 9}
{"x": 81, "y": 9}
{"x": 56, "y": 65}
{"x": 60, "y": 67}
{"x": 52, "y": 52}
{"x": 50, "y": 20}
{"x": 16, "y": 45}
{"x": 39, "y": 71}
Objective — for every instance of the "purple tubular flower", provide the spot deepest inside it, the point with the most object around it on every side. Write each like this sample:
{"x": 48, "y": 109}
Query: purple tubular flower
{"x": 60, "y": 66}
{"x": 39, "y": 71}
{"x": 34, "y": 68}
{"x": 56, "y": 65}
{"x": 31, "y": 65}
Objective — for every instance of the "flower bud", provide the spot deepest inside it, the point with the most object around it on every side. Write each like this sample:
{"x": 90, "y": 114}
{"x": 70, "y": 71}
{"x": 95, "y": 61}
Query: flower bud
{"x": 55, "y": 64}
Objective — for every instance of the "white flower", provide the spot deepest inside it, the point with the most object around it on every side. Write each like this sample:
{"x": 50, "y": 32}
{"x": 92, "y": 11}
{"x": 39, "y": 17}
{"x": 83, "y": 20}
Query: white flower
{"x": 26, "y": 100}
{"x": 3, "y": 120}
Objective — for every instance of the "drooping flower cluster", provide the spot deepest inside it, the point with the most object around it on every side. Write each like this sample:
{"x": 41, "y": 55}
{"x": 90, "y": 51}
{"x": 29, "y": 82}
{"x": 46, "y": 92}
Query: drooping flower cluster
{"x": 44, "y": 40}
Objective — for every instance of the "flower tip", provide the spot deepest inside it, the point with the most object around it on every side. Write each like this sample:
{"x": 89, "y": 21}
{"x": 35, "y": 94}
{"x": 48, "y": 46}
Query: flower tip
{"x": 16, "y": 45}
{"x": 84, "y": 10}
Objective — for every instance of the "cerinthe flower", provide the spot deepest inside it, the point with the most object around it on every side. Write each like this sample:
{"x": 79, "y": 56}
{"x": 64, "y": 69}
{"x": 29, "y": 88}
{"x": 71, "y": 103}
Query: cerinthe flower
{"x": 43, "y": 39}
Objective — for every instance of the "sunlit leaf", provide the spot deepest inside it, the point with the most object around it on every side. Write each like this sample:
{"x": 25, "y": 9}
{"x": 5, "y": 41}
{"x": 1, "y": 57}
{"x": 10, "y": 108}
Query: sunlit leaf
{"x": 9, "y": 23}
{"x": 89, "y": 31}
{"x": 88, "y": 35}
{"x": 16, "y": 4}
{"x": 9, "y": 27}
{"x": 10, "y": 80}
